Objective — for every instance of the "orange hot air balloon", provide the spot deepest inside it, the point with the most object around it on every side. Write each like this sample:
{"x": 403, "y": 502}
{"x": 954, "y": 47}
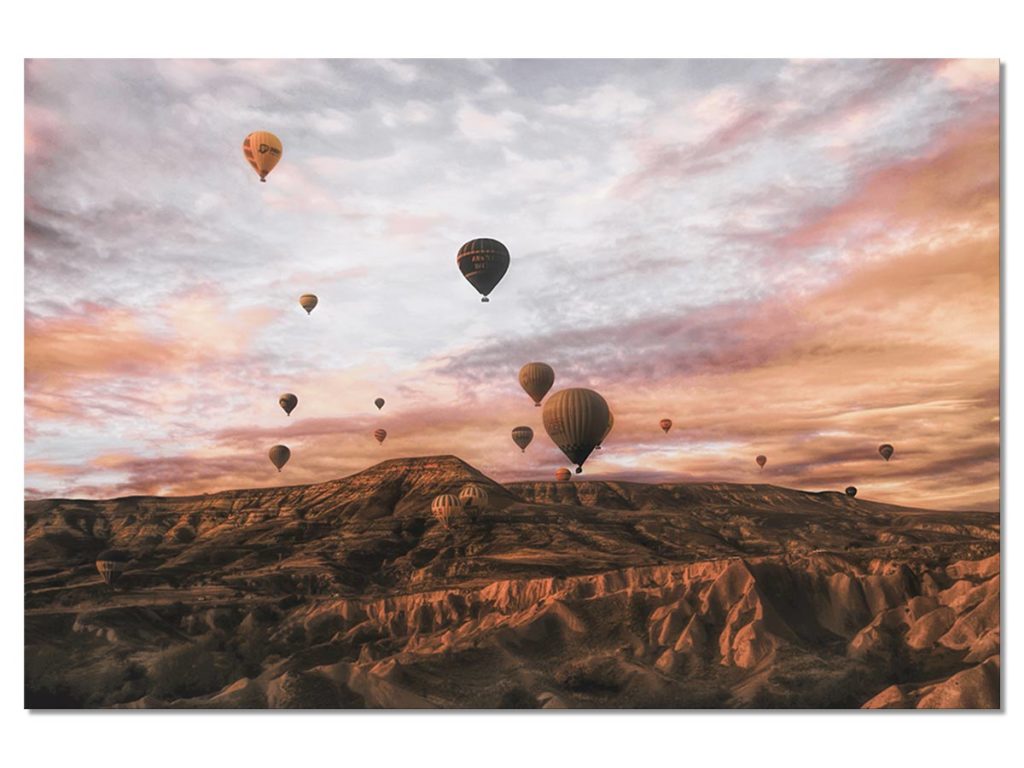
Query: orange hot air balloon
{"x": 537, "y": 379}
{"x": 575, "y": 420}
{"x": 288, "y": 401}
{"x": 886, "y": 451}
{"x": 666, "y": 425}
{"x": 379, "y": 435}
{"x": 308, "y": 302}
{"x": 483, "y": 262}
{"x": 263, "y": 151}
{"x": 379, "y": 402}
{"x": 761, "y": 461}
{"x": 522, "y": 436}
{"x": 279, "y": 455}
{"x": 563, "y": 475}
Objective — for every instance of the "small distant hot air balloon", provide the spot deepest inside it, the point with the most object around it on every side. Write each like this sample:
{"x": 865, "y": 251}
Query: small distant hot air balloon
{"x": 308, "y": 302}
{"x": 379, "y": 435}
{"x": 886, "y": 451}
{"x": 483, "y": 262}
{"x": 611, "y": 423}
{"x": 537, "y": 379}
{"x": 379, "y": 402}
{"x": 576, "y": 419}
{"x": 666, "y": 425}
{"x": 444, "y": 507}
{"x": 563, "y": 475}
{"x": 263, "y": 151}
{"x": 111, "y": 564}
{"x": 761, "y": 461}
{"x": 522, "y": 436}
{"x": 473, "y": 496}
{"x": 279, "y": 455}
{"x": 851, "y": 491}
{"x": 288, "y": 401}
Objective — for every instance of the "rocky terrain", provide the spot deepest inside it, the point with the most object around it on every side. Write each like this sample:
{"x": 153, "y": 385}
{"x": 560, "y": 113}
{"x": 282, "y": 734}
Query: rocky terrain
{"x": 586, "y": 594}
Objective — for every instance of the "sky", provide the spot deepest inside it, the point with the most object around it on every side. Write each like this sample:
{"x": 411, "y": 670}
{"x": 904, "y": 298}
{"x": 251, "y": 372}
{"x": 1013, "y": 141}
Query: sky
{"x": 791, "y": 258}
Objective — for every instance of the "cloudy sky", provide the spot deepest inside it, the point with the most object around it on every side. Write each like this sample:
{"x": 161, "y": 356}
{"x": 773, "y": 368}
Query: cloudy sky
{"x": 793, "y": 258}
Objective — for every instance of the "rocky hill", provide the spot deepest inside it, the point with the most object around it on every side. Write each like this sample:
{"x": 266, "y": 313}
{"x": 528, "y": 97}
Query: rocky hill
{"x": 586, "y": 594}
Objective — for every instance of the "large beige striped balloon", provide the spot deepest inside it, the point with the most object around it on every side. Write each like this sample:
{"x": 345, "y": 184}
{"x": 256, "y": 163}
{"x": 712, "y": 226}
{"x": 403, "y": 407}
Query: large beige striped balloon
{"x": 537, "y": 379}
{"x": 262, "y": 149}
{"x": 473, "y": 496}
{"x": 444, "y": 507}
{"x": 576, "y": 420}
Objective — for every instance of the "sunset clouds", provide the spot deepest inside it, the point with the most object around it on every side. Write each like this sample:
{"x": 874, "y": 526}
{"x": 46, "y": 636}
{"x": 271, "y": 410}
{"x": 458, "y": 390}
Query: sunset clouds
{"x": 799, "y": 259}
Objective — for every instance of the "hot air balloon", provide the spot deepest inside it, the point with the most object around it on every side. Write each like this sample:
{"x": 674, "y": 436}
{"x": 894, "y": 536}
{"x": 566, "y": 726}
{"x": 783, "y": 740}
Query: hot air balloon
{"x": 473, "y": 496}
{"x": 379, "y": 435}
{"x": 279, "y": 455}
{"x": 288, "y": 401}
{"x": 262, "y": 149}
{"x": 761, "y": 461}
{"x": 483, "y": 263}
{"x": 611, "y": 423}
{"x": 522, "y": 436}
{"x": 444, "y": 507}
{"x": 851, "y": 491}
{"x": 886, "y": 451}
{"x": 111, "y": 564}
{"x": 308, "y": 302}
{"x": 575, "y": 420}
{"x": 563, "y": 475}
{"x": 537, "y": 379}
{"x": 379, "y": 402}
{"x": 666, "y": 425}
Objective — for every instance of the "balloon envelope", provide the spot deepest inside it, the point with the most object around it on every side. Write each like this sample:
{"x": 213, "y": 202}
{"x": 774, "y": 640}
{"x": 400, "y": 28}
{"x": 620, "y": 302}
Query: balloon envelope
{"x": 379, "y": 402}
{"x": 563, "y": 475}
{"x": 262, "y": 150}
{"x": 886, "y": 451}
{"x": 611, "y": 423}
{"x": 761, "y": 461}
{"x": 537, "y": 379}
{"x": 851, "y": 491}
{"x": 575, "y": 420}
{"x": 279, "y": 455}
{"x": 288, "y": 401}
{"x": 379, "y": 435}
{"x": 111, "y": 564}
{"x": 473, "y": 496}
{"x": 666, "y": 425}
{"x": 308, "y": 302}
{"x": 483, "y": 262}
{"x": 444, "y": 507}
{"x": 522, "y": 436}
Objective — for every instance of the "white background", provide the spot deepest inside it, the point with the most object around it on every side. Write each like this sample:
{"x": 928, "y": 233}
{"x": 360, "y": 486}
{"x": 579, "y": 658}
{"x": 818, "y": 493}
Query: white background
{"x": 640, "y": 28}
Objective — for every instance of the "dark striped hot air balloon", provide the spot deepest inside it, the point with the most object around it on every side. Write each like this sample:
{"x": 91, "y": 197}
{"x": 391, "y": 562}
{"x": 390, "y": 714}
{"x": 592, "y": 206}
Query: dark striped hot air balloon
{"x": 288, "y": 401}
{"x": 522, "y": 436}
{"x": 537, "y": 379}
{"x": 761, "y": 461}
{"x": 111, "y": 564}
{"x": 279, "y": 455}
{"x": 483, "y": 262}
{"x": 575, "y": 420}
{"x": 886, "y": 451}
{"x": 608, "y": 431}
{"x": 379, "y": 435}
{"x": 379, "y": 402}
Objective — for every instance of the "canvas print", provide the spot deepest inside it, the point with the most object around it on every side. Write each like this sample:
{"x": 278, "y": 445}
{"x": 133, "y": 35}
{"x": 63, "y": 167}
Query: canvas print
{"x": 474, "y": 384}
